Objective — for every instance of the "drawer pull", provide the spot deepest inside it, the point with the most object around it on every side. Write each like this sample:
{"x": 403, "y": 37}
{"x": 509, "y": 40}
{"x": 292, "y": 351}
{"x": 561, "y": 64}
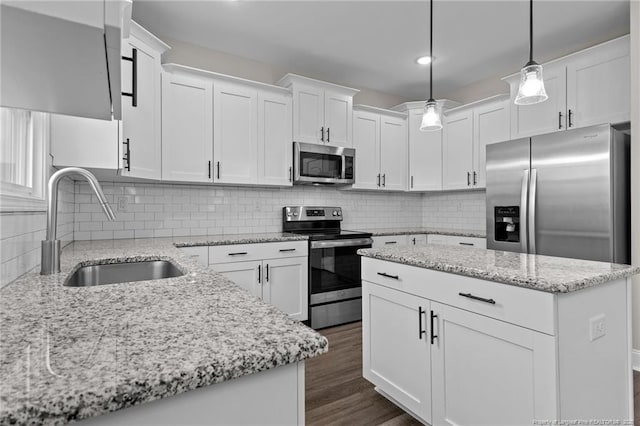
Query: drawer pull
{"x": 384, "y": 274}
{"x": 240, "y": 253}
{"x": 391, "y": 242}
{"x": 286, "y": 250}
{"x": 482, "y": 299}
{"x": 466, "y": 244}
{"x": 420, "y": 330}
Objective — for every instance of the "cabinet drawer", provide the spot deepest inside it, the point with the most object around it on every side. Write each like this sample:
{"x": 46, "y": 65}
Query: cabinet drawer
{"x": 258, "y": 251}
{"x": 516, "y": 305}
{"x": 389, "y": 241}
{"x": 457, "y": 241}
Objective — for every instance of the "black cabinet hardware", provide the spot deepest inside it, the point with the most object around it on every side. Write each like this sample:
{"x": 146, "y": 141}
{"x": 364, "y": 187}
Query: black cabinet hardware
{"x": 322, "y": 133}
{"x": 239, "y": 253}
{"x": 570, "y": 115}
{"x": 420, "y": 330}
{"x": 267, "y": 273}
{"x": 414, "y": 241}
{"x": 259, "y": 273}
{"x": 384, "y": 180}
{"x": 475, "y": 178}
{"x": 209, "y": 168}
{"x": 218, "y": 172}
{"x": 468, "y": 179}
{"x": 434, "y": 336}
{"x": 134, "y": 77}
{"x": 411, "y": 181}
{"x": 559, "y": 119}
{"x": 127, "y": 156}
{"x": 481, "y": 299}
{"x": 290, "y": 173}
{"x": 466, "y": 244}
{"x": 391, "y": 242}
{"x": 328, "y": 134}
{"x": 378, "y": 180}
{"x": 286, "y": 250}
{"x": 384, "y": 274}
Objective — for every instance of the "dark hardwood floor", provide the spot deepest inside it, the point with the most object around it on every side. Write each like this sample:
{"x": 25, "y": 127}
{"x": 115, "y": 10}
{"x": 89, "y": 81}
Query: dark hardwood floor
{"x": 336, "y": 393}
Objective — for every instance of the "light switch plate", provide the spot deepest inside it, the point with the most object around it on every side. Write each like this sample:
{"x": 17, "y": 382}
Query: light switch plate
{"x": 597, "y": 327}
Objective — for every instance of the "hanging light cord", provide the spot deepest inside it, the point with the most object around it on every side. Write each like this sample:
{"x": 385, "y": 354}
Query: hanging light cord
{"x": 530, "y": 30}
{"x": 431, "y": 50}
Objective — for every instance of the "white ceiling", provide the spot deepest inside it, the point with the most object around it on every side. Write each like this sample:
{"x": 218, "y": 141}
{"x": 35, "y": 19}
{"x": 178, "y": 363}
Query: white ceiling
{"x": 374, "y": 44}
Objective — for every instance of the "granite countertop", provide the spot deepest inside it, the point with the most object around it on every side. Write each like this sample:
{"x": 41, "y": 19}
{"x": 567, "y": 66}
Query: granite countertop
{"x": 70, "y": 353}
{"x": 545, "y": 273}
{"x": 229, "y": 239}
{"x": 436, "y": 231}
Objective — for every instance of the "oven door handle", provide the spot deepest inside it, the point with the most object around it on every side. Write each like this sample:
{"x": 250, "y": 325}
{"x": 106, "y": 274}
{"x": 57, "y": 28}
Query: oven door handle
{"x": 355, "y": 242}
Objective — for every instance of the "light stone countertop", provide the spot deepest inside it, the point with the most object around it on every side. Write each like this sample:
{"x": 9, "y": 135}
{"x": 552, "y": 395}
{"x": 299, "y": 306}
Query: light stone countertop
{"x": 71, "y": 353}
{"x": 436, "y": 231}
{"x": 545, "y": 273}
{"x": 229, "y": 239}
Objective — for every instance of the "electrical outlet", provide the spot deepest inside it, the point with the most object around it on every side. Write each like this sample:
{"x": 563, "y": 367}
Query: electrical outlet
{"x": 597, "y": 327}
{"x": 123, "y": 204}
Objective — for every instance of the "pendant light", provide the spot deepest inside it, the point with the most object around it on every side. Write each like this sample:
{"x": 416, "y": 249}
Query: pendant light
{"x": 531, "y": 90}
{"x": 431, "y": 118}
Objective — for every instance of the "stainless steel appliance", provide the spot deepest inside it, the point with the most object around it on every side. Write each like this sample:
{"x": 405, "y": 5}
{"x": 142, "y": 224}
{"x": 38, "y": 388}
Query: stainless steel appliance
{"x": 323, "y": 164}
{"x": 561, "y": 194}
{"x": 335, "y": 287}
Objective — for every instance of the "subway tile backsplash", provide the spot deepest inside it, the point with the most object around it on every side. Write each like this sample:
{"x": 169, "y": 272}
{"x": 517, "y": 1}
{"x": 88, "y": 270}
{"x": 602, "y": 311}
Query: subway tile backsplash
{"x": 455, "y": 210}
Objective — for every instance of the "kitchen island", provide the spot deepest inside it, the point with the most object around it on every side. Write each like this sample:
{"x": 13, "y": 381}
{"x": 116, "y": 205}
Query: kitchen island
{"x": 469, "y": 336}
{"x": 70, "y": 353}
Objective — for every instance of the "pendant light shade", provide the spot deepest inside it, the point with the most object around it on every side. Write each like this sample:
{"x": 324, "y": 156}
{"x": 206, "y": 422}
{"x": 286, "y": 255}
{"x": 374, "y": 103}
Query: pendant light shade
{"x": 431, "y": 118}
{"x": 531, "y": 90}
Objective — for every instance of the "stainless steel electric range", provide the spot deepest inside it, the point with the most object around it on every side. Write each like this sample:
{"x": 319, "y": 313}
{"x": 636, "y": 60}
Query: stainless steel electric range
{"x": 335, "y": 287}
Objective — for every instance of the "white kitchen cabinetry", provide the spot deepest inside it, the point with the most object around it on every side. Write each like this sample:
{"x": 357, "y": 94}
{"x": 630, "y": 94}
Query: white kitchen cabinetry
{"x": 467, "y": 131}
{"x": 380, "y": 140}
{"x": 382, "y": 241}
{"x": 452, "y": 240}
{"x": 275, "y": 152}
{"x": 187, "y": 128}
{"x": 585, "y": 88}
{"x": 497, "y": 353}
{"x": 322, "y": 112}
{"x": 141, "y": 123}
{"x": 275, "y": 272}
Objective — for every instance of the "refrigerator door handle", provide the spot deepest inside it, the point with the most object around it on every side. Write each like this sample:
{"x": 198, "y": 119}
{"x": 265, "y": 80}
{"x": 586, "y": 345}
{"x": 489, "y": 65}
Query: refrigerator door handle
{"x": 523, "y": 210}
{"x": 531, "y": 225}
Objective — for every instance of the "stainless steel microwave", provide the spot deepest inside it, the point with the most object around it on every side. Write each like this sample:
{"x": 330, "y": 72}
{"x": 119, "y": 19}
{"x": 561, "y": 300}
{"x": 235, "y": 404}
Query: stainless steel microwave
{"x": 322, "y": 164}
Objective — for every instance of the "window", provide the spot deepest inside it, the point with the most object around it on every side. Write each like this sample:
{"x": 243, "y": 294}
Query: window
{"x": 24, "y": 140}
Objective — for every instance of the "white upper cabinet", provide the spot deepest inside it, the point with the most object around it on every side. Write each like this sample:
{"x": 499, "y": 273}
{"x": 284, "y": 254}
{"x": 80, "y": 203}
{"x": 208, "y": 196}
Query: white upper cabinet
{"x": 467, "y": 132}
{"x": 187, "y": 129}
{"x": 275, "y": 149}
{"x": 141, "y": 120}
{"x": 322, "y": 112}
{"x": 235, "y": 117}
{"x": 380, "y": 141}
{"x": 588, "y": 87}
{"x": 63, "y": 57}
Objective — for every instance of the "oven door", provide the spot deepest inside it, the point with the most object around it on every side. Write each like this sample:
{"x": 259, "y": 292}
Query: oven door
{"x": 323, "y": 164}
{"x": 335, "y": 269}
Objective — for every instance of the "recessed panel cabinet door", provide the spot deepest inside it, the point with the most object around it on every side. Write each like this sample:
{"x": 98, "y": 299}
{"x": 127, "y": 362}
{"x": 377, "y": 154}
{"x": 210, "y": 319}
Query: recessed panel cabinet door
{"x": 247, "y": 275}
{"x": 187, "y": 129}
{"x": 286, "y": 285}
{"x": 235, "y": 143}
{"x": 489, "y": 372}
{"x": 141, "y": 124}
{"x": 338, "y": 118}
{"x": 425, "y": 156}
{"x": 545, "y": 117}
{"x": 490, "y": 125}
{"x": 396, "y": 348}
{"x": 308, "y": 114}
{"x": 366, "y": 141}
{"x": 457, "y": 151}
{"x": 393, "y": 153}
{"x": 275, "y": 143}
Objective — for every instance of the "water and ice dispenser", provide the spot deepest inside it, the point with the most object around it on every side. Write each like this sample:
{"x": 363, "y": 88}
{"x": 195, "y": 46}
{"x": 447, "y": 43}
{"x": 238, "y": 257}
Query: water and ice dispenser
{"x": 507, "y": 225}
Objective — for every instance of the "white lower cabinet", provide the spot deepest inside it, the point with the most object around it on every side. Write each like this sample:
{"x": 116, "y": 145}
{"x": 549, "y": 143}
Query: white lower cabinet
{"x": 383, "y": 241}
{"x": 453, "y": 240}
{"x": 456, "y": 350}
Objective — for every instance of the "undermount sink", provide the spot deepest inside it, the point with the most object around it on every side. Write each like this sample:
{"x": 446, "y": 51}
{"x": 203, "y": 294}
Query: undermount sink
{"x": 122, "y": 272}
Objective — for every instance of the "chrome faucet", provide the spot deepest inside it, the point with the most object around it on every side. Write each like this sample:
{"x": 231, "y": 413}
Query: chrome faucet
{"x": 50, "y": 263}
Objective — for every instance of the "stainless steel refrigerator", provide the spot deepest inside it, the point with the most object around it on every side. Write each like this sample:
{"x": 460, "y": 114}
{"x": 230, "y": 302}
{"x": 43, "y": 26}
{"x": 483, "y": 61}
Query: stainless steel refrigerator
{"x": 561, "y": 194}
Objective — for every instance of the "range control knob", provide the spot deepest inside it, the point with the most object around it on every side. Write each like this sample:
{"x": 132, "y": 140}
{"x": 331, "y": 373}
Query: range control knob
{"x": 295, "y": 213}
{"x": 334, "y": 213}
{"x": 339, "y": 213}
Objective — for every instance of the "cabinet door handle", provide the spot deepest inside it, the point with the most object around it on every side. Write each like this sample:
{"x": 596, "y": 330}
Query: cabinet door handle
{"x": 466, "y": 244}
{"x": 414, "y": 241}
{"x": 420, "y": 330}
{"x": 267, "y": 273}
{"x": 468, "y": 179}
{"x": 475, "y": 178}
{"x": 259, "y": 274}
{"x": 290, "y": 173}
{"x": 411, "y": 181}
{"x": 286, "y": 250}
{"x": 434, "y": 336}
{"x": 570, "y": 115}
{"x": 322, "y": 133}
{"x": 559, "y": 120}
{"x": 390, "y": 242}
{"x": 127, "y": 155}
{"x": 481, "y": 299}
{"x": 209, "y": 168}
{"x": 328, "y": 134}
{"x": 218, "y": 172}
{"x": 378, "y": 180}
{"x": 134, "y": 77}
{"x": 384, "y": 180}
{"x": 384, "y": 274}
{"x": 238, "y": 253}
